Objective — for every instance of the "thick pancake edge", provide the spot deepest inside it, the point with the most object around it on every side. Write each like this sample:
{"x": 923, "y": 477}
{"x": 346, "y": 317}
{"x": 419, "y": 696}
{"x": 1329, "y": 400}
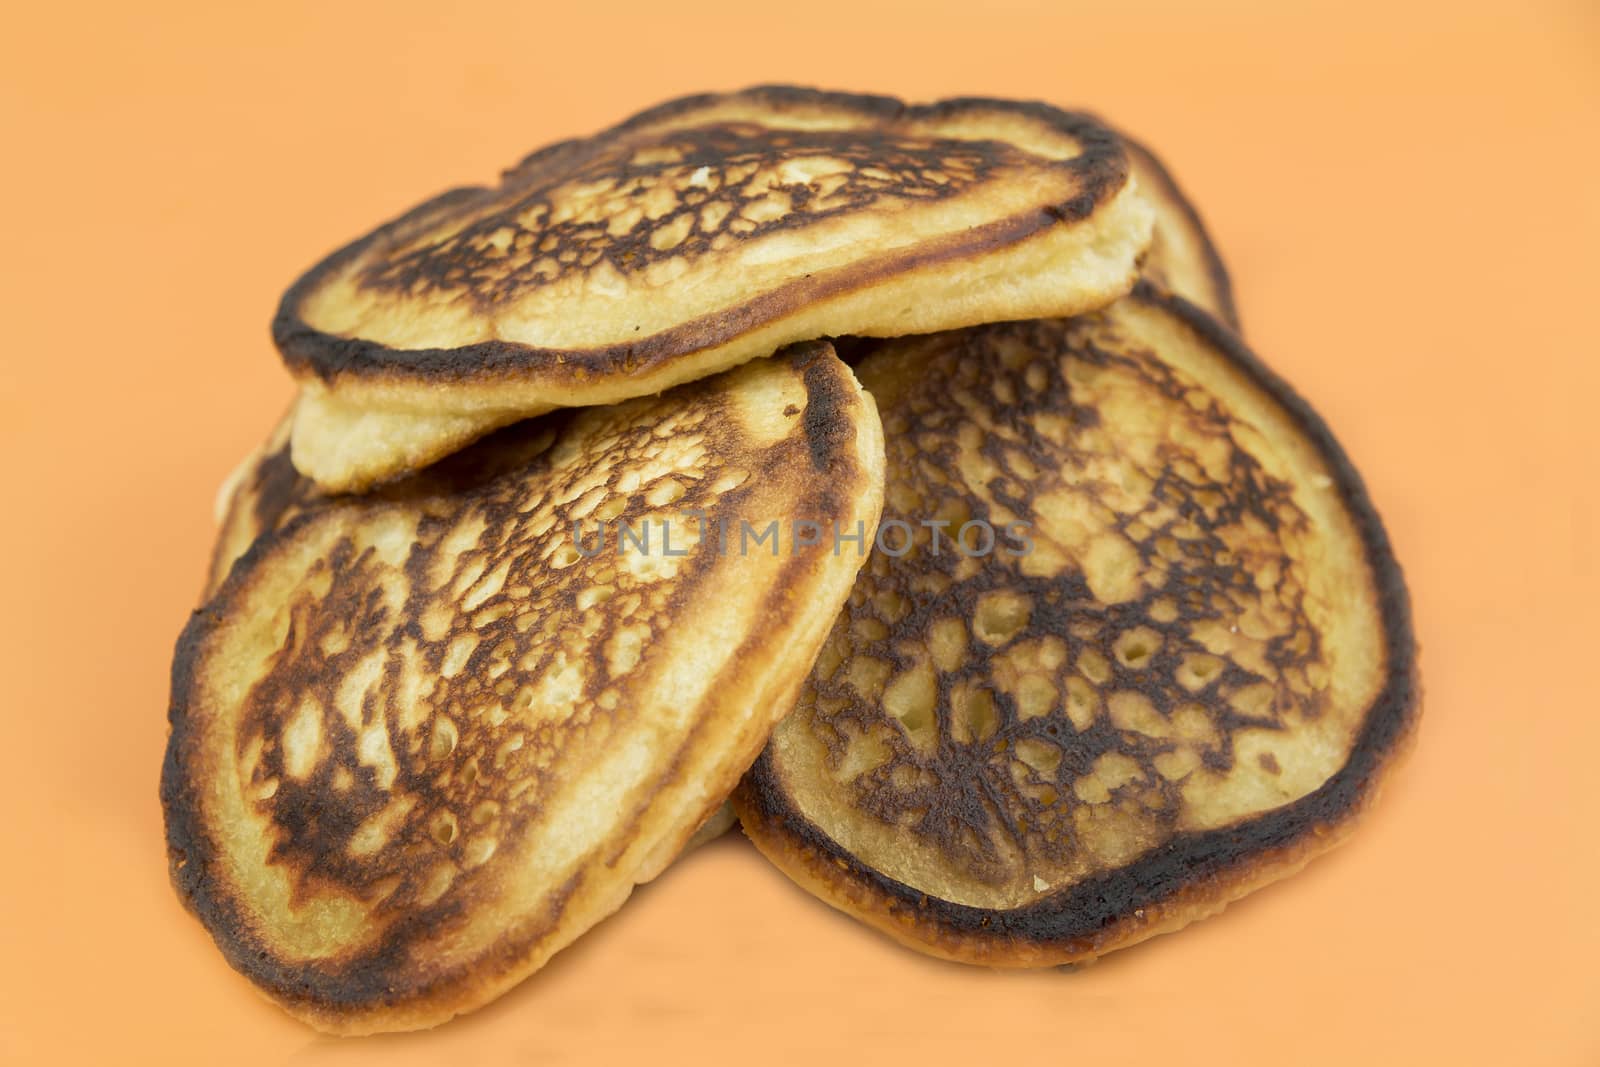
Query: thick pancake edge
{"x": 1223, "y": 304}
{"x": 1193, "y": 875}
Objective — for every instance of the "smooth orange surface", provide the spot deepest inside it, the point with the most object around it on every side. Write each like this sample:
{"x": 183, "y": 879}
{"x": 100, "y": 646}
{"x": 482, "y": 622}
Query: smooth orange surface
{"x": 1408, "y": 198}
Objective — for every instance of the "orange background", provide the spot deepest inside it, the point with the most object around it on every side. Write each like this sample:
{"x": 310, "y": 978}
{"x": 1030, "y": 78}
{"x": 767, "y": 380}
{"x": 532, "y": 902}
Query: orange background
{"x": 1410, "y": 203}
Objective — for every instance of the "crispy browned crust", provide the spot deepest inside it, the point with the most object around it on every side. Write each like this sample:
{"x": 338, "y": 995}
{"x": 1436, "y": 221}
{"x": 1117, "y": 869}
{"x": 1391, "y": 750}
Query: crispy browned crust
{"x": 383, "y": 986}
{"x": 265, "y": 493}
{"x": 1193, "y": 875}
{"x": 1101, "y": 171}
{"x": 1221, "y": 302}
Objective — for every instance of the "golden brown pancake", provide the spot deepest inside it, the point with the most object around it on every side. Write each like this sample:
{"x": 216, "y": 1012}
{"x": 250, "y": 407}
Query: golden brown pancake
{"x": 1189, "y": 684}
{"x": 264, "y": 493}
{"x": 424, "y": 738}
{"x": 1182, "y": 258}
{"x": 697, "y": 235}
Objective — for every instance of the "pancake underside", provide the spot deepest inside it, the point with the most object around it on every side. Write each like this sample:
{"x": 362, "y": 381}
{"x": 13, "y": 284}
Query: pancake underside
{"x": 694, "y": 238}
{"x": 422, "y": 739}
{"x": 1175, "y": 675}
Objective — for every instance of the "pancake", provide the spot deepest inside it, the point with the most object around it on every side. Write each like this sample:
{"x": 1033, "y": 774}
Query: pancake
{"x": 721, "y": 821}
{"x": 264, "y": 493}
{"x": 259, "y": 495}
{"x": 1184, "y": 677}
{"x": 697, "y": 235}
{"x": 424, "y": 738}
{"x": 1182, "y": 258}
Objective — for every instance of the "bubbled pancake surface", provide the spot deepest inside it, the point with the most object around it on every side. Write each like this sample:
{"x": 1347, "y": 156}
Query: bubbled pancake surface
{"x": 420, "y": 741}
{"x": 1187, "y": 687}
{"x": 702, "y": 233}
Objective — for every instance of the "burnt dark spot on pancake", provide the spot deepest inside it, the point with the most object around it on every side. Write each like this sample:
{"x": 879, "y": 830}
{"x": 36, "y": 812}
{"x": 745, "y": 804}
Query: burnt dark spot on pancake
{"x": 827, "y": 434}
{"x": 277, "y": 488}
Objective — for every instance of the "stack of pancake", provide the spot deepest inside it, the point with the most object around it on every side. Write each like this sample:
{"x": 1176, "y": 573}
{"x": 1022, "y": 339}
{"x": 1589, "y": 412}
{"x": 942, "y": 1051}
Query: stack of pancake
{"x": 895, "y": 471}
